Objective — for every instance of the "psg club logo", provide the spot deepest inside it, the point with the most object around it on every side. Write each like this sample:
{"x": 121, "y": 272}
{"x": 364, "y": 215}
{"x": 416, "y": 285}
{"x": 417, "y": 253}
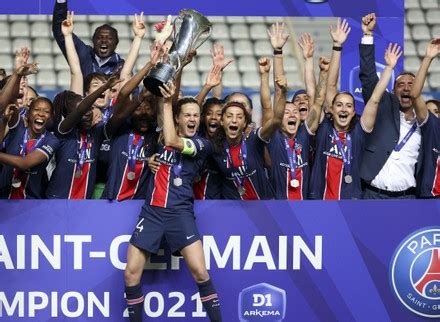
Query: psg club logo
{"x": 415, "y": 272}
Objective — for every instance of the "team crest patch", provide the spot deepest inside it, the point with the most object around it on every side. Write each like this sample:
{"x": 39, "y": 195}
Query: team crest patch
{"x": 415, "y": 272}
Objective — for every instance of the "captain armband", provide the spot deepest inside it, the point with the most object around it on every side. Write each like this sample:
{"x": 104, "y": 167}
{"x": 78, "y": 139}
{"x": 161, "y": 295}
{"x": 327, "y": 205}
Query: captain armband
{"x": 189, "y": 148}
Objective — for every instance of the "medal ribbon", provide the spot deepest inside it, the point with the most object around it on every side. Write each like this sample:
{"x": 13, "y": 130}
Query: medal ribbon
{"x": 83, "y": 144}
{"x": 292, "y": 158}
{"x": 133, "y": 150}
{"x": 346, "y": 156}
{"x": 239, "y": 182}
{"x": 406, "y": 138}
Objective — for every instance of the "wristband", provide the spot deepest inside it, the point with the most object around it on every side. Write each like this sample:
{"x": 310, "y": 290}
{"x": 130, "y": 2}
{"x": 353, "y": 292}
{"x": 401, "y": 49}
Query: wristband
{"x": 337, "y": 48}
{"x": 277, "y": 51}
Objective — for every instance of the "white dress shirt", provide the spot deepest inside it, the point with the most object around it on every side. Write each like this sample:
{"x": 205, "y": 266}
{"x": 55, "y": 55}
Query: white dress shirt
{"x": 398, "y": 174}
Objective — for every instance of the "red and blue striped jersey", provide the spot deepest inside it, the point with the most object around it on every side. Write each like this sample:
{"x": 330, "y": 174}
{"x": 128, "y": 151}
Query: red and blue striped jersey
{"x": 172, "y": 185}
{"x": 71, "y": 179}
{"x": 280, "y": 171}
{"x": 121, "y": 185}
{"x": 430, "y": 182}
{"x": 244, "y": 174}
{"x": 327, "y": 180}
{"x": 33, "y": 181}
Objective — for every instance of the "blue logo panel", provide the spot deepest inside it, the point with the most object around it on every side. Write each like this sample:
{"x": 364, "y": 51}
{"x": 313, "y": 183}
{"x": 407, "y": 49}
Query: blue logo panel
{"x": 415, "y": 272}
{"x": 262, "y": 302}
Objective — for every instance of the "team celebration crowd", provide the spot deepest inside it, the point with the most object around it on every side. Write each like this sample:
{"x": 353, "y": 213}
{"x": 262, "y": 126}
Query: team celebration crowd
{"x": 108, "y": 137}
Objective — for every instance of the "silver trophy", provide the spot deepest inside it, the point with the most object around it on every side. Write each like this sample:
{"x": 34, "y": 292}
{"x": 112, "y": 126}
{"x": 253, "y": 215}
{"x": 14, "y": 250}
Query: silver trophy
{"x": 190, "y": 30}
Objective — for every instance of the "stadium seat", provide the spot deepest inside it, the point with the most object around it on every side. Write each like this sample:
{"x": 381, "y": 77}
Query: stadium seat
{"x": 231, "y": 79}
{"x": 410, "y": 48}
{"x": 428, "y": 4}
{"x": 412, "y": 64}
{"x": 433, "y": 16}
{"x": 251, "y": 80}
{"x": 23, "y": 18}
{"x": 263, "y": 48}
{"x": 220, "y": 31}
{"x": 239, "y": 31}
{"x": 18, "y": 43}
{"x": 421, "y": 32}
{"x": 415, "y": 16}
{"x": 40, "y": 29}
{"x": 204, "y": 63}
{"x": 412, "y": 4}
{"x": 124, "y": 31}
{"x": 101, "y": 19}
{"x": 124, "y": 46}
{"x": 82, "y": 29}
{"x": 216, "y": 19}
{"x": 45, "y": 62}
{"x": 120, "y": 18}
{"x": 243, "y": 47}
{"x": 20, "y": 29}
{"x": 42, "y": 46}
{"x": 247, "y": 63}
{"x": 6, "y": 61}
{"x": 434, "y": 80}
{"x": 258, "y": 31}
{"x": 5, "y": 46}
{"x": 60, "y": 63}
{"x": 421, "y": 48}
{"x": 191, "y": 79}
{"x": 254, "y": 19}
{"x": 232, "y": 20}
{"x": 407, "y": 33}
{"x": 46, "y": 78}
{"x": 4, "y": 29}
{"x": 63, "y": 79}
{"x": 205, "y": 48}
{"x": 290, "y": 64}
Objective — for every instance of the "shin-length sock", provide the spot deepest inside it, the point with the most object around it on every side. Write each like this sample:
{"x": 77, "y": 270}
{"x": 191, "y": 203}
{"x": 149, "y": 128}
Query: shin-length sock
{"x": 135, "y": 302}
{"x": 210, "y": 301}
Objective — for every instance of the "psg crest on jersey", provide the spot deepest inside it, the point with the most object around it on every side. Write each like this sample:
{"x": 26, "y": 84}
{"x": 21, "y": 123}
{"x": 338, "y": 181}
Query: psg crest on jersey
{"x": 415, "y": 272}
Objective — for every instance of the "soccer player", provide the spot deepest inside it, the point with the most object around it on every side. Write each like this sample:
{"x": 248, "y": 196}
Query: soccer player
{"x": 340, "y": 139}
{"x": 169, "y": 213}
{"x": 429, "y": 187}
{"x": 134, "y": 139}
{"x": 208, "y": 185}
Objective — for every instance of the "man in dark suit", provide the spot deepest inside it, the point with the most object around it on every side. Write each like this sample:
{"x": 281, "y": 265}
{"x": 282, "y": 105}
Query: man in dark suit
{"x": 392, "y": 149}
{"x": 102, "y": 57}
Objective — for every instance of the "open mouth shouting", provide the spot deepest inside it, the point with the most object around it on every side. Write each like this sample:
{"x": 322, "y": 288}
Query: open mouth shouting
{"x": 38, "y": 125}
{"x": 212, "y": 126}
{"x": 405, "y": 99}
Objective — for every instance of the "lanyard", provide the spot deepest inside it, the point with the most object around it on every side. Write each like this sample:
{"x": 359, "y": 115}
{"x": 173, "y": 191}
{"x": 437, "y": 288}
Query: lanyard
{"x": 133, "y": 150}
{"x": 83, "y": 144}
{"x": 292, "y": 158}
{"x": 106, "y": 115}
{"x": 346, "y": 156}
{"x": 406, "y": 138}
{"x": 177, "y": 168}
{"x": 24, "y": 150}
{"x": 243, "y": 153}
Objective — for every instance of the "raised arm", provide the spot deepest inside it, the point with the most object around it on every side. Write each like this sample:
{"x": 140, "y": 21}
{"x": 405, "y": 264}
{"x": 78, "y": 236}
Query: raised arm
{"x": 367, "y": 71}
{"x": 169, "y": 130}
{"x": 138, "y": 27}
{"x": 314, "y": 115}
{"x": 86, "y": 104}
{"x": 76, "y": 76}
{"x": 265, "y": 99}
{"x": 432, "y": 51}
{"x": 339, "y": 35}
{"x": 32, "y": 159}
{"x": 277, "y": 40}
{"x": 269, "y": 128}
{"x": 125, "y": 107}
{"x": 218, "y": 58}
{"x": 212, "y": 80}
{"x": 368, "y": 118}
{"x": 307, "y": 45}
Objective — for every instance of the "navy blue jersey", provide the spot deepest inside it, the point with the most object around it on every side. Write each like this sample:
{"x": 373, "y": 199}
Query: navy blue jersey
{"x": 328, "y": 178}
{"x": 76, "y": 159}
{"x": 33, "y": 182}
{"x": 172, "y": 185}
{"x": 128, "y": 180}
{"x": 430, "y": 182}
{"x": 244, "y": 178}
{"x": 208, "y": 185}
{"x": 280, "y": 172}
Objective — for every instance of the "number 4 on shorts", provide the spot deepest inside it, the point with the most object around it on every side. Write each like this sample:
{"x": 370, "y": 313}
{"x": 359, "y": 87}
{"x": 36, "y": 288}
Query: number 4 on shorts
{"x": 140, "y": 227}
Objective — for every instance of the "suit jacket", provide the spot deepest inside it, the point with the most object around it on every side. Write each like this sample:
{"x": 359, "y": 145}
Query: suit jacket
{"x": 385, "y": 135}
{"x": 85, "y": 52}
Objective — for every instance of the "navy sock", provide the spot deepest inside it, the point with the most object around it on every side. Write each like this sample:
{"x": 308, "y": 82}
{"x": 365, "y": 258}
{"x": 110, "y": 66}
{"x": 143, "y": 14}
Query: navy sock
{"x": 135, "y": 302}
{"x": 210, "y": 301}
